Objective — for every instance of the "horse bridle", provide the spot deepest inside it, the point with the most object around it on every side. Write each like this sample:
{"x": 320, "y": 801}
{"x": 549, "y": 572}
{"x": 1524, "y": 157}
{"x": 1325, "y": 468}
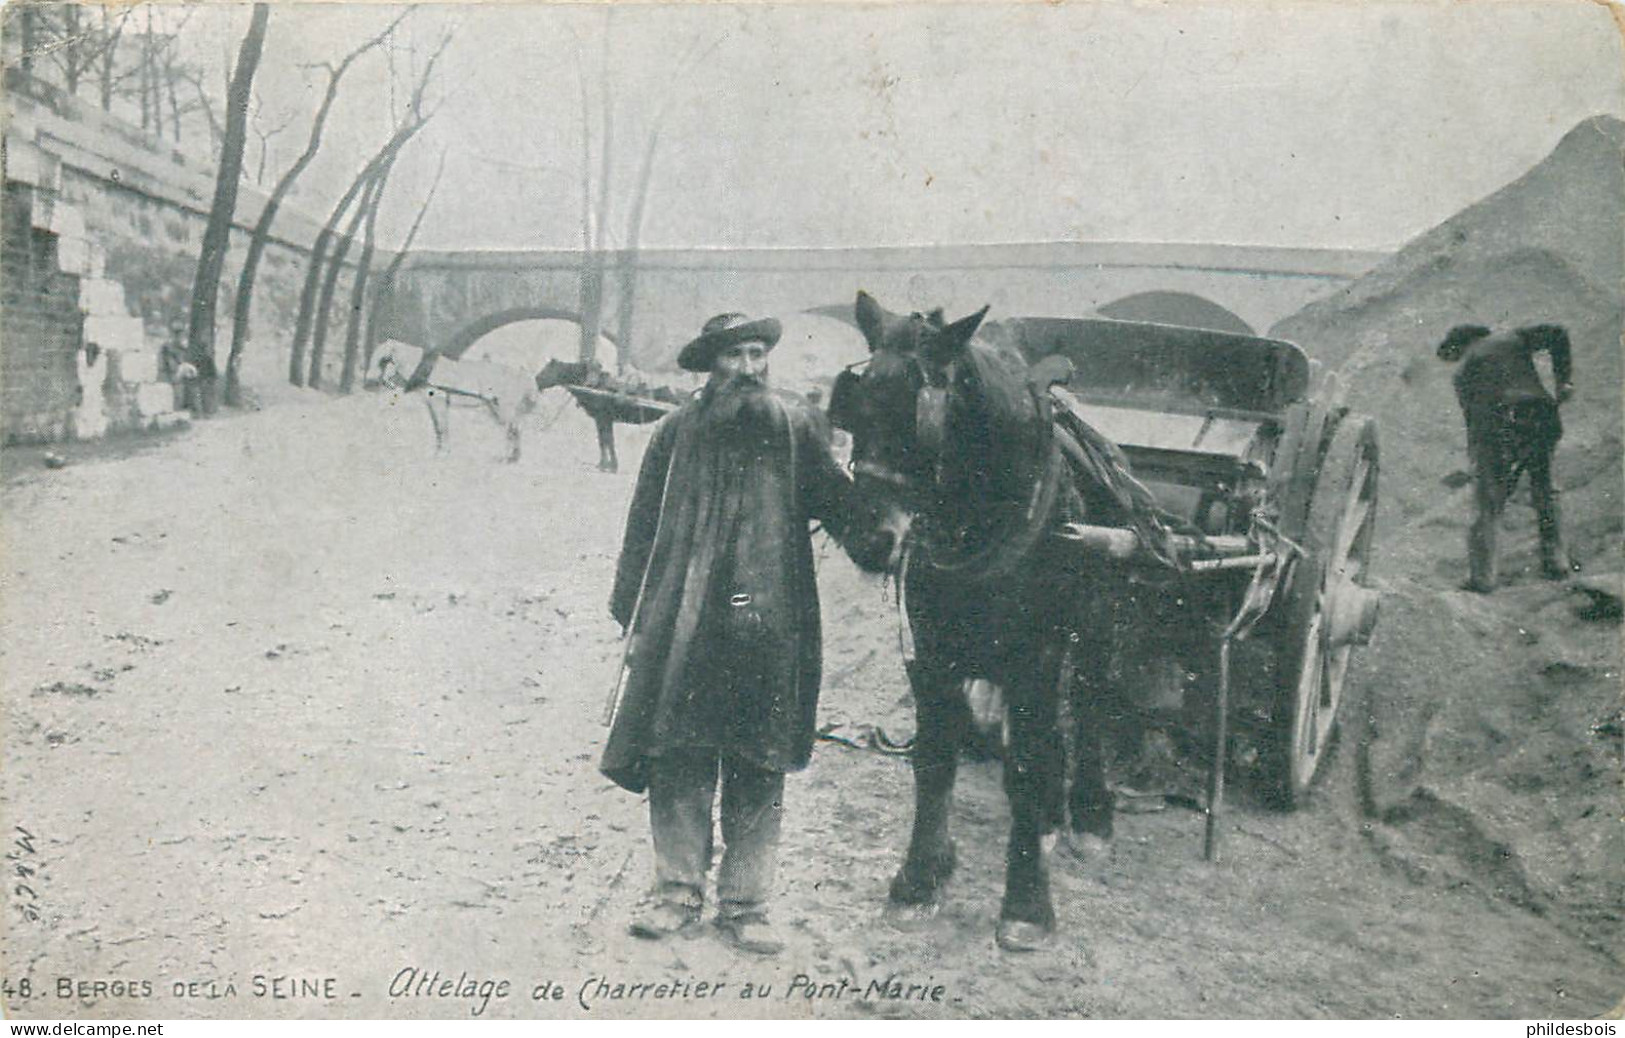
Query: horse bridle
{"x": 931, "y": 410}
{"x": 931, "y": 407}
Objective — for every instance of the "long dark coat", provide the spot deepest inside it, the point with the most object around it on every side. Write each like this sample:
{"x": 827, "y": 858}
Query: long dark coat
{"x": 716, "y": 581}
{"x": 1512, "y": 421}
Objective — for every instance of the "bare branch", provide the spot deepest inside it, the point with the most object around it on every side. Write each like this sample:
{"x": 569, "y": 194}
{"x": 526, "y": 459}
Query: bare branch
{"x": 428, "y": 72}
{"x": 387, "y": 281}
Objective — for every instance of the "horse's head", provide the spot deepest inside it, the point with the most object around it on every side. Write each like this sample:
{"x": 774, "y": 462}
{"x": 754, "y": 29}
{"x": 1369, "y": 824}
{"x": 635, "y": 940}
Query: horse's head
{"x": 897, "y": 411}
{"x": 563, "y": 373}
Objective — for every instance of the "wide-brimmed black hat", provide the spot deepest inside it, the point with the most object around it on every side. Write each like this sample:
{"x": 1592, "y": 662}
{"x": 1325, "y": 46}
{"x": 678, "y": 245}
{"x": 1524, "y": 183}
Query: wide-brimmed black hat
{"x": 725, "y": 330}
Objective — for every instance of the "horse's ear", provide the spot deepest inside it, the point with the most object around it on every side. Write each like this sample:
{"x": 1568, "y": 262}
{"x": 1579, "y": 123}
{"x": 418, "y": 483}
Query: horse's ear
{"x": 958, "y": 335}
{"x": 871, "y": 317}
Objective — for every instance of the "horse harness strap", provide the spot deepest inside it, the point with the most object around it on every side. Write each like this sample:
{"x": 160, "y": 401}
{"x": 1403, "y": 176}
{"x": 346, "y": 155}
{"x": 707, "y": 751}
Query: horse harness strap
{"x": 1005, "y": 552}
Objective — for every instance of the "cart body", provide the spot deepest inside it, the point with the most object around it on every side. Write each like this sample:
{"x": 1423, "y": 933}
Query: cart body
{"x": 1272, "y": 483}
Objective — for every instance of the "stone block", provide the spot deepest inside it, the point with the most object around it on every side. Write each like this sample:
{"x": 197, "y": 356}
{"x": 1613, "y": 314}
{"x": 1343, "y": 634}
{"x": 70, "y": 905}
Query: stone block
{"x": 66, "y": 221}
{"x": 133, "y": 365}
{"x": 154, "y": 398}
{"x": 96, "y": 267}
{"x": 115, "y": 332}
{"x": 42, "y": 211}
{"x": 73, "y": 255}
{"x": 27, "y": 163}
{"x": 169, "y": 420}
{"x": 102, "y": 297}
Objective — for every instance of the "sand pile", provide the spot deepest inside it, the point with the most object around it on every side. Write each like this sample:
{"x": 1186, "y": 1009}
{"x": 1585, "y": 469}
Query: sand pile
{"x": 1547, "y": 247}
{"x": 1488, "y": 756}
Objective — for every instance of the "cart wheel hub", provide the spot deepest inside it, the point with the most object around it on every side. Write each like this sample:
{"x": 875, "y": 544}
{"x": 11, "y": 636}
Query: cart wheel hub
{"x": 1353, "y": 614}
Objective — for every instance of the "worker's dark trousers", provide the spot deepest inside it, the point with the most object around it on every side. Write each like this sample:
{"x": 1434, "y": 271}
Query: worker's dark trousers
{"x": 1514, "y": 440}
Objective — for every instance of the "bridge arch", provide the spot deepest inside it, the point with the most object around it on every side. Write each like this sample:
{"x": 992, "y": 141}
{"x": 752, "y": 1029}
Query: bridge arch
{"x": 1182, "y": 308}
{"x": 472, "y": 331}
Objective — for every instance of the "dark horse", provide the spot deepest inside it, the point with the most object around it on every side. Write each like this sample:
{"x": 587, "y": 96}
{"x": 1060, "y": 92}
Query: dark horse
{"x": 607, "y": 401}
{"x": 964, "y": 477}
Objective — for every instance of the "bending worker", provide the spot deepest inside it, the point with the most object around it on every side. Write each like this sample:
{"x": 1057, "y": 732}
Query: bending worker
{"x": 1512, "y": 427}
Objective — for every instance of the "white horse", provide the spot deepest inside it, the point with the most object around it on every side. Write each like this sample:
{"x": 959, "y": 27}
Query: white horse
{"x": 506, "y": 394}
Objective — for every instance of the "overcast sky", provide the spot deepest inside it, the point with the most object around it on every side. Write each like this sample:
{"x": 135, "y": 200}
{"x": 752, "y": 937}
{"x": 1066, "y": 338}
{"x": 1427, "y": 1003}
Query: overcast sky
{"x": 1304, "y": 124}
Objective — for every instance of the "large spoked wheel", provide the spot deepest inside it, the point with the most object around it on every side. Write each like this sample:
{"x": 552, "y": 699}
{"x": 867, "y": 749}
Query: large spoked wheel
{"x": 1330, "y": 608}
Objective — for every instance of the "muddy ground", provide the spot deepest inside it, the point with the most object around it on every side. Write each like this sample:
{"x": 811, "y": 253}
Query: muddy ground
{"x": 288, "y": 696}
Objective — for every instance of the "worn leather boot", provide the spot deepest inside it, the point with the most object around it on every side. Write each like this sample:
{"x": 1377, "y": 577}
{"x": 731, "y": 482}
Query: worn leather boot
{"x": 664, "y": 919}
{"x": 751, "y": 933}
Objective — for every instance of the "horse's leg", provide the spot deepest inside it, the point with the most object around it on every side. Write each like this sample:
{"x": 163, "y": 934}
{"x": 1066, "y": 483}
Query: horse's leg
{"x": 434, "y": 419}
{"x": 1091, "y": 805}
{"x": 607, "y": 462}
{"x": 941, "y": 720}
{"x": 1035, "y": 783}
{"x": 510, "y": 430}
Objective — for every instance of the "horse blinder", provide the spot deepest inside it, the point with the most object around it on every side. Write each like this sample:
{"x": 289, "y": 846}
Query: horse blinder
{"x": 843, "y": 400}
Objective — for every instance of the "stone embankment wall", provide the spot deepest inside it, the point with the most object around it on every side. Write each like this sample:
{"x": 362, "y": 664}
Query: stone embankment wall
{"x": 101, "y": 229}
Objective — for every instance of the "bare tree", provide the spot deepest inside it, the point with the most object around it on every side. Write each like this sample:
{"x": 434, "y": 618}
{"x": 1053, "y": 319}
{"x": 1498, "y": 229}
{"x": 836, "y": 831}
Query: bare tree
{"x": 28, "y": 30}
{"x": 262, "y": 228}
{"x": 73, "y": 46}
{"x": 626, "y": 299}
{"x": 265, "y": 135}
{"x": 112, "y": 32}
{"x": 308, "y": 315}
{"x": 316, "y": 265}
{"x": 217, "y": 234}
{"x": 76, "y": 48}
{"x": 325, "y": 241}
{"x": 204, "y": 104}
{"x": 358, "y": 291}
{"x": 369, "y": 202}
{"x": 335, "y": 267}
{"x": 386, "y": 283}
{"x": 595, "y": 225}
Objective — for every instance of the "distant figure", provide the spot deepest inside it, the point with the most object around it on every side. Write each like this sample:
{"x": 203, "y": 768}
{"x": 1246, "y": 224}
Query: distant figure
{"x": 1512, "y": 427}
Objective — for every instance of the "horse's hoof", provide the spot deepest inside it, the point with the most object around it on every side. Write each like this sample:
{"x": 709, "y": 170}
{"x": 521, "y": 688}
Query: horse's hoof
{"x": 1018, "y": 935}
{"x": 1086, "y": 848}
{"x": 907, "y": 917}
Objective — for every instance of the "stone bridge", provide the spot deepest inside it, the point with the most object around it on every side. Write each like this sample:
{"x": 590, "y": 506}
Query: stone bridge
{"x": 450, "y": 299}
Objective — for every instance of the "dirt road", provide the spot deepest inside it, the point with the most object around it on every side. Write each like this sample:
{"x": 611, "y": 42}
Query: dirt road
{"x": 303, "y": 721}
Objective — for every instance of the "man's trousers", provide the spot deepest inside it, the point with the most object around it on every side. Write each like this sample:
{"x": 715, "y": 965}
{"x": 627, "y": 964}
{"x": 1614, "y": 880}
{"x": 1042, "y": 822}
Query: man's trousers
{"x": 682, "y": 788}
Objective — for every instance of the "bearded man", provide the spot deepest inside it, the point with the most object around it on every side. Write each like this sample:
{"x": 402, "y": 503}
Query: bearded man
{"x": 715, "y": 585}
{"x": 1512, "y": 427}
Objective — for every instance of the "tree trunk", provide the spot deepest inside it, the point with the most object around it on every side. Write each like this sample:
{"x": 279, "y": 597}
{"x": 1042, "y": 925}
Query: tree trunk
{"x": 335, "y": 267}
{"x": 72, "y": 69}
{"x": 358, "y": 292}
{"x": 109, "y": 57}
{"x": 29, "y": 32}
{"x": 627, "y": 302}
{"x": 174, "y": 107}
{"x": 156, "y": 80}
{"x": 307, "y": 294}
{"x": 144, "y": 83}
{"x": 217, "y": 234}
{"x": 262, "y": 229}
{"x": 386, "y": 283}
{"x": 324, "y": 241}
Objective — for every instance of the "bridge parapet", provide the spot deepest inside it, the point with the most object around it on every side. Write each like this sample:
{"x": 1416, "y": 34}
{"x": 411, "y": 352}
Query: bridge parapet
{"x": 441, "y": 298}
